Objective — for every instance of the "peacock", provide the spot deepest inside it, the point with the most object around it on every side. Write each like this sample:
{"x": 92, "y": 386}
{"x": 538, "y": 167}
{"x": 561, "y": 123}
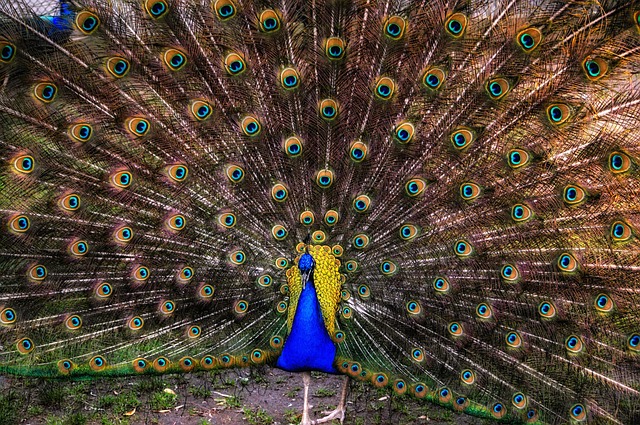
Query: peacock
{"x": 440, "y": 198}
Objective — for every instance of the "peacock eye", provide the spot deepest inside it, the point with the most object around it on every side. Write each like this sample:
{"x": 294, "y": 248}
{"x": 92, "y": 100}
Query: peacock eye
{"x": 395, "y": 27}
{"x": 513, "y": 340}
{"x": 324, "y": 178}
{"x": 45, "y": 92}
{"x": 360, "y": 241}
{"x": 265, "y": 280}
{"x": 87, "y": 22}
{"x": 384, "y": 88}
{"x": 279, "y": 192}
{"x": 81, "y": 132}
{"x": 518, "y": 158}
{"x": 7, "y": 51}
{"x": 177, "y": 172}
{"x": 328, "y": 109}
{"x": 361, "y": 203}
{"x": 462, "y": 138}
{"x": 293, "y": 147}
{"x": 469, "y": 191}
{"x": 358, "y": 151}
{"x": 463, "y": 248}
{"x": 225, "y": 9}
{"x": 456, "y": 24}
{"x": 441, "y": 285}
{"x": 156, "y": 8}
{"x": 227, "y": 220}
{"x": 483, "y": 310}
{"x": 174, "y": 59}
{"x": 404, "y": 132}
{"x": 388, "y": 268}
{"x": 118, "y": 67}
{"x": 201, "y": 110}
{"x": 235, "y": 173}
{"x": 415, "y": 187}
{"x": 519, "y": 400}
{"x": 141, "y": 274}
{"x": 279, "y": 232}
{"x": 269, "y": 21}
{"x": 595, "y": 68}
{"x": 176, "y": 222}
{"x": 234, "y": 64}
{"x": 433, "y": 78}
{"x": 529, "y": 39}
{"x": 497, "y": 88}
{"x": 335, "y": 48}
{"x": 237, "y": 257}
{"x": 289, "y": 79}
{"x": 547, "y": 310}
{"x": 251, "y": 126}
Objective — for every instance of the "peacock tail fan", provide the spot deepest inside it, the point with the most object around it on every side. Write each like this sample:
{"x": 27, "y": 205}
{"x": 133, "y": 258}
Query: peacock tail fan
{"x": 463, "y": 173}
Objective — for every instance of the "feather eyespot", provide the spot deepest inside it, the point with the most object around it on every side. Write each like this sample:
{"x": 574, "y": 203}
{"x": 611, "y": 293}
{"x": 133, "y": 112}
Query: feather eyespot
{"x": 399, "y": 386}
{"x": 123, "y": 235}
{"x": 461, "y": 403}
{"x": 498, "y": 410}
{"x": 37, "y": 273}
{"x": 395, "y": 27}
{"x": 521, "y": 213}
{"x": 462, "y": 138}
{"x": 167, "y": 307}
{"x": 185, "y": 274}
{"x": 513, "y": 340}
{"x": 318, "y": 236}
{"x": 258, "y": 356}
{"x": 547, "y": 310}
{"x": 25, "y": 346}
{"x": 415, "y": 187}
{"x": 619, "y": 162}
{"x": 118, "y": 67}
{"x": 156, "y": 8}
{"x": 388, "y": 268}
{"x": 81, "y": 132}
{"x": 604, "y": 303}
{"x": 139, "y": 365}
{"x": 433, "y": 78}
{"x": 241, "y": 307}
{"x": 455, "y": 329}
{"x": 19, "y": 223}
{"x": 633, "y": 342}
{"x": 87, "y": 22}
{"x": 620, "y": 231}
{"x": 141, "y": 274}
{"x": 509, "y": 273}
{"x": 104, "y": 290}
{"x": 79, "y": 248}
{"x": 161, "y": 364}
{"x": 23, "y": 164}
{"x": 384, "y": 88}
{"x": 404, "y": 132}
{"x": 234, "y": 64}
{"x": 174, "y": 59}
{"x": 251, "y": 126}
{"x": 595, "y": 68}
{"x": 208, "y": 362}
{"x": 483, "y": 311}
{"x": 345, "y": 295}
{"x": 324, "y": 178}
{"x": 65, "y": 366}
{"x": 558, "y": 113}
{"x": 578, "y": 412}
{"x": 518, "y": 158}
{"x": 237, "y": 257}
{"x": 279, "y": 232}
{"x": 469, "y": 191}
{"x": 194, "y": 332}
{"x": 462, "y": 248}
{"x": 227, "y": 220}
{"x": 519, "y": 400}
{"x": 70, "y": 202}
{"x": 444, "y": 395}
{"x": 529, "y": 39}
{"x": 289, "y": 78}
{"x": 328, "y": 109}
{"x": 497, "y": 88}
{"x": 408, "y": 232}
{"x": 573, "y": 194}
{"x": 531, "y": 415}
{"x": 269, "y": 21}
{"x": 235, "y": 173}
{"x": 358, "y": 151}
{"x": 8, "y": 316}
{"x": 417, "y": 355}
{"x": 225, "y": 9}
{"x": 574, "y": 344}
{"x": 282, "y": 307}
{"x": 137, "y": 126}
{"x": 265, "y": 280}
{"x": 45, "y": 92}
{"x": 121, "y": 179}
{"x": 334, "y": 48}
{"x": 456, "y": 24}
{"x": 441, "y": 285}
{"x": 364, "y": 292}
{"x": 177, "y": 172}
{"x": 351, "y": 266}
{"x": 176, "y": 222}
{"x": 73, "y": 322}
{"x": 7, "y": 51}
{"x": 201, "y": 110}
{"x": 331, "y": 217}
{"x": 379, "y": 380}
{"x": 567, "y": 263}
{"x": 468, "y": 377}
{"x": 361, "y": 203}
{"x": 206, "y": 291}
{"x": 420, "y": 390}
{"x": 307, "y": 218}
{"x": 360, "y": 241}
{"x": 346, "y": 312}
{"x": 337, "y": 251}
{"x": 293, "y": 147}
{"x": 97, "y": 363}
{"x": 281, "y": 263}
{"x": 276, "y": 342}
{"x": 279, "y": 192}
{"x": 135, "y": 323}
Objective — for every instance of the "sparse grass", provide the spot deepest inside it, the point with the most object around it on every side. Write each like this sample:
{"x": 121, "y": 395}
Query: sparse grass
{"x": 324, "y": 392}
{"x": 200, "y": 392}
{"x": 292, "y": 416}
{"x": 163, "y": 400}
{"x": 257, "y": 416}
{"x": 231, "y": 402}
{"x": 119, "y": 404}
{"x": 293, "y": 392}
{"x": 9, "y": 403}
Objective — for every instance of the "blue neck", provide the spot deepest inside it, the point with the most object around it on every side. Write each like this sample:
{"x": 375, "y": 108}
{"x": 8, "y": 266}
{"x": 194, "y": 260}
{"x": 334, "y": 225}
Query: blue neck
{"x": 308, "y": 346}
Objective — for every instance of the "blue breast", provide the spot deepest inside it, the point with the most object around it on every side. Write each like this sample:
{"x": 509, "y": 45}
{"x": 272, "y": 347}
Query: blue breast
{"x": 308, "y": 346}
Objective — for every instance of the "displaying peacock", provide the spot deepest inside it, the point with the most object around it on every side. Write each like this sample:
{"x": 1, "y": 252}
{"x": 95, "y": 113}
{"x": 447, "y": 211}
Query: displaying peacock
{"x": 440, "y": 197}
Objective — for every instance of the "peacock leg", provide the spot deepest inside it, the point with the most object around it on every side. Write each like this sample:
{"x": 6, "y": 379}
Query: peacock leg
{"x": 306, "y": 379}
{"x": 339, "y": 412}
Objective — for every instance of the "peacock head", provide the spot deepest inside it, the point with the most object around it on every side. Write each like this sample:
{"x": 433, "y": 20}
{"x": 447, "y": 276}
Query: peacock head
{"x": 305, "y": 264}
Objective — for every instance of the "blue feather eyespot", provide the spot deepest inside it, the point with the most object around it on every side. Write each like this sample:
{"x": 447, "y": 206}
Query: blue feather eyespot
{"x": 104, "y": 290}
{"x": 529, "y": 39}
{"x": 227, "y": 220}
{"x": 469, "y": 191}
{"x": 235, "y": 173}
{"x": 337, "y": 251}
{"x": 7, "y": 51}
{"x": 468, "y": 377}
{"x": 404, "y": 132}
{"x": 444, "y": 395}
{"x": 118, "y": 67}
{"x": 137, "y": 126}
{"x": 37, "y": 273}
{"x": 509, "y": 273}
{"x": 276, "y": 342}
{"x": 186, "y": 364}
{"x": 394, "y": 27}
{"x": 415, "y": 187}
{"x": 8, "y": 316}
{"x": 547, "y": 310}
{"x": 604, "y": 303}
{"x": 345, "y": 295}
{"x": 293, "y": 147}
{"x": 70, "y": 202}
{"x": 620, "y": 231}
{"x": 281, "y": 263}
{"x": 379, "y": 380}
{"x": 264, "y": 280}
{"x": 241, "y": 307}
{"x": 23, "y": 164}
{"x": 123, "y": 235}
{"x": 498, "y": 410}
{"x": 441, "y": 285}
{"x": 408, "y": 232}
{"x": 455, "y": 329}
{"x": 331, "y": 217}
{"x": 567, "y": 263}
{"x": 483, "y": 311}
{"x": 351, "y": 266}
{"x": 251, "y": 126}
{"x": 185, "y": 274}
{"x": 358, "y": 151}
{"x": 364, "y": 292}
{"x": 518, "y": 158}
{"x": 354, "y": 369}
{"x": 456, "y": 24}
{"x": 87, "y": 22}
{"x": 420, "y": 390}
{"x": 417, "y": 355}
{"x": 174, "y": 59}
{"x": 25, "y": 346}
{"x": 497, "y": 88}
{"x": 433, "y": 78}
{"x": 633, "y": 342}
{"x": 558, "y": 113}
{"x": 279, "y": 192}
{"x": 201, "y": 110}
{"x": 208, "y": 362}
{"x": 282, "y": 307}
{"x": 461, "y": 403}
{"x": 237, "y": 257}
{"x": 574, "y": 344}
{"x": 289, "y": 78}
{"x": 156, "y": 8}
{"x": 81, "y": 132}
{"x": 346, "y": 312}
{"x": 619, "y": 162}
{"x": 234, "y": 64}
{"x": 324, "y": 178}
{"x": 399, "y": 386}
{"x": 161, "y": 364}
{"x": 167, "y": 307}
{"x": 334, "y": 48}
{"x": 177, "y": 172}
{"x": 307, "y": 218}
{"x": 45, "y": 92}
{"x": 578, "y": 412}
{"x": 258, "y": 356}
{"x": 521, "y": 213}
{"x": 141, "y": 274}
{"x": 573, "y": 194}
{"x": 532, "y": 416}
{"x": 513, "y": 339}
{"x": 65, "y": 366}
{"x": 19, "y": 223}
{"x": 328, "y": 109}
{"x": 462, "y": 248}
{"x": 206, "y": 291}
{"x": 595, "y": 68}
{"x": 269, "y": 21}
{"x": 194, "y": 332}
{"x": 519, "y": 400}
{"x": 73, "y": 322}
{"x": 135, "y": 323}
{"x": 384, "y": 88}
{"x": 462, "y": 138}
{"x": 318, "y": 236}
{"x": 388, "y": 268}
{"x": 360, "y": 241}
{"x": 225, "y": 9}
{"x": 139, "y": 365}
{"x": 176, "y": 222}
{"x": 78, "y": 248}
{"x": 361, "y": 203}
{"x": 97, "y": 363}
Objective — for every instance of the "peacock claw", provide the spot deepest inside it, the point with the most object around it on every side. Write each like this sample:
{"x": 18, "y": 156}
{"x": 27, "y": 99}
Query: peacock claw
{"x": 338, "y": 413}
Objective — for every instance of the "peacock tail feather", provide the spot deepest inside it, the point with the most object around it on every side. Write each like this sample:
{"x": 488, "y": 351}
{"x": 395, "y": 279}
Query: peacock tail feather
{"x": 464, "y": 175}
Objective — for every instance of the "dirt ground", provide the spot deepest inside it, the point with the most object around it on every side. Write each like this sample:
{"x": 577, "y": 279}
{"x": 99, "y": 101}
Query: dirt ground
{"x": 257, "y": 397}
